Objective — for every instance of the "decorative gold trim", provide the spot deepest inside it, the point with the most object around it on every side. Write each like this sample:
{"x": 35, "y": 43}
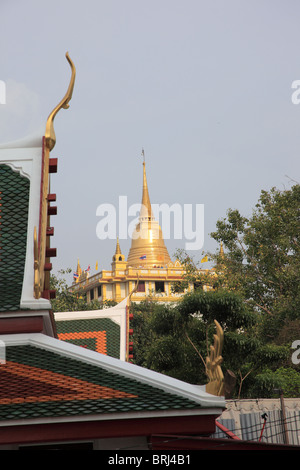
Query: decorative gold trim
{"x": 64, "y": 103}
{"x": 214, "y": 372}
{"x": 37, "y": 278}
{"x": 127, "y": 319}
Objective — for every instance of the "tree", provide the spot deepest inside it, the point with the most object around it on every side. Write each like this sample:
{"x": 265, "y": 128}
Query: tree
{"x": 175, "y": 340}
{"x": 245, "y": 352}
{"x": 262, "y": 257}
{"x": 193, "y": 274}
{"x": 160, "y": 343}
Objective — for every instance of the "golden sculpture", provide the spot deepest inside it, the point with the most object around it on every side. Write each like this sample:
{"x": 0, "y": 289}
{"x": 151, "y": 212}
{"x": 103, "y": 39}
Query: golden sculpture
{"x": 64, "y": 103}
{"x": 41, "y": 241}
{"x": 214, "y": 372}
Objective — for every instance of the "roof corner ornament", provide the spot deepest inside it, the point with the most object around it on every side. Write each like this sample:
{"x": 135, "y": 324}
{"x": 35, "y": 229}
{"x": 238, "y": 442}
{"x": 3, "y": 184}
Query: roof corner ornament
{"x": 214, "y": 372}
{"x": 41, "y": 273}
{"x": 64, "y": 103}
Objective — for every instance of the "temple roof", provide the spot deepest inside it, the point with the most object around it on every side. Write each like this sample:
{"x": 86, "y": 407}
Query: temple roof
{"x": 44, "y": 378}
{"x": 103, "y": 331}
{"x": 14, "y": 203}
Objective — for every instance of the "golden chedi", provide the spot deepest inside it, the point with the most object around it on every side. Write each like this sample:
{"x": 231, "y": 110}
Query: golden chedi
{"x": 148, "y": 248}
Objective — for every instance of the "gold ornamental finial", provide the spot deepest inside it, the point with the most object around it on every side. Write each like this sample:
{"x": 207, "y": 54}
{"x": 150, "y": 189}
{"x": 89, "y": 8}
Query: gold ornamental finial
{"x": 78, "y": 269}
{"x": 41, "y": 276}
{"x": 64, "y": 103}
{"x": 146, "y": 209}
{"x": 118, "y": 249}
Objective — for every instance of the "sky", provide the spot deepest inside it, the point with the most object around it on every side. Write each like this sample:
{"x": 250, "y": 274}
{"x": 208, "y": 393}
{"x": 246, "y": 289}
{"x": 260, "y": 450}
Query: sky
{"x": 204, "y": 87}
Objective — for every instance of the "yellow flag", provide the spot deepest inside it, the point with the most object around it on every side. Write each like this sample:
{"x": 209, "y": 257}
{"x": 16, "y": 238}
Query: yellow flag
{"x": 205, "y": 259}
{"x": 96, "y": 266}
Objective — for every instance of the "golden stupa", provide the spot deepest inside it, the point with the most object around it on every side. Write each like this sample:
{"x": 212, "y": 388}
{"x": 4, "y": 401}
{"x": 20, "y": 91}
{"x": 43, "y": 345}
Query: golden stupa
{"x": 148, "y": 248}
{"x": 148, "y": 270}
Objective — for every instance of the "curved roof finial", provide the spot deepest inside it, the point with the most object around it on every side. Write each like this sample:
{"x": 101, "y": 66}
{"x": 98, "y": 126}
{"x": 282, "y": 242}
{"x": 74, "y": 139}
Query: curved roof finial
{"x": 64, "y": 103}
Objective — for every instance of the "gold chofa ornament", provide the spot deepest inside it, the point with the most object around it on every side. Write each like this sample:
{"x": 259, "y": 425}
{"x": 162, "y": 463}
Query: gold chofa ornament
{"x": 42, "y": 278}
{"x": 64, "y": 103}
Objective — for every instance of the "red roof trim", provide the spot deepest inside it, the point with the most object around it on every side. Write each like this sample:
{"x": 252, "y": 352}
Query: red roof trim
{"x": 28, "y": 324}
{"x": 78, "y": 430}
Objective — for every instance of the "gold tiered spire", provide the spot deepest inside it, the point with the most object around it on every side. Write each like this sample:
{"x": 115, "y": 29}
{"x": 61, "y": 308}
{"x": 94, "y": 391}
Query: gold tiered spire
{"x": 146, "y": 209}
{"x": 78, "y": 269}
{"x": 147, "y": 247}
{"x": 118, "y": 258}
{"x": 118, "y": 249}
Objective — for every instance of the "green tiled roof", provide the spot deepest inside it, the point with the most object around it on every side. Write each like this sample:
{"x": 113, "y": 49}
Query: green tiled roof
{"x": 98, "y": 334}
{"x": 38, "y": 383}
{"x": 14, "y": 194}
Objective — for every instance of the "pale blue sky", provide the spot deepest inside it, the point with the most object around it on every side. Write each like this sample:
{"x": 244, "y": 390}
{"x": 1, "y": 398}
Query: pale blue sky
{"x": 203, "y": 86}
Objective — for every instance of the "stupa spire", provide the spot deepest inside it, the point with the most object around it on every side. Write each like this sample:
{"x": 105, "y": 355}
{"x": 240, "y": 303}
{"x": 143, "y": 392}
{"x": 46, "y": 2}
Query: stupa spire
{"x": 147, "y": 246}
{"x": 118, "y": 249}
{"x": 146, "y": 209}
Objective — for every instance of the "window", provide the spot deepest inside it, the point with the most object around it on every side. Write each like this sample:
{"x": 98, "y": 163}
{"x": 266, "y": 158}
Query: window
{"x": 92, "y": 294}
{"x": 141, "y": 286}
{"x": 99, "y": 291}
{"x": 159, "y": 286}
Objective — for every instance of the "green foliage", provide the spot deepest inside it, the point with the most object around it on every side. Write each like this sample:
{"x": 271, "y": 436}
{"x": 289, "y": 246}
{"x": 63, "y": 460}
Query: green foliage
{"x": 267, "y": 383}
{"x": 175, "y": 340}
{"x": 289, "y": 381}
{"x": 224, "y": 306}
{"x": 161, "y": 342}
{"x": 262, "y": 254}
{"x": 264, "y": 384}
